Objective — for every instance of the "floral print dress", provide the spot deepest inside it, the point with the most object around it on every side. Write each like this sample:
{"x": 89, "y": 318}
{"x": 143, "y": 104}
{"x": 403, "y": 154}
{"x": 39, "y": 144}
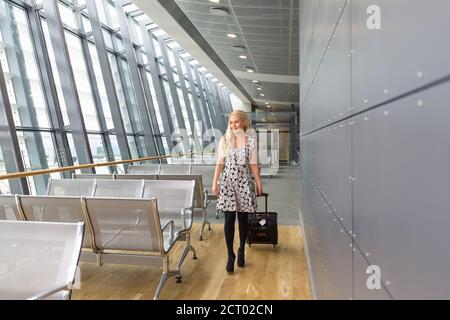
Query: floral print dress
{"x": 237, "y": 188}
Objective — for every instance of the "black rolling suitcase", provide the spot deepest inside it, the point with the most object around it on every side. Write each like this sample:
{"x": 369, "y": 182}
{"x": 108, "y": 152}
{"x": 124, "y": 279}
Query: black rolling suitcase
{"x": 263, "y": 226}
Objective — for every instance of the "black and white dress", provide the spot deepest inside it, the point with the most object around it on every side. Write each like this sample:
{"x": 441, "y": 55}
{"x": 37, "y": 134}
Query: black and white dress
{"x": 237, "y": 188}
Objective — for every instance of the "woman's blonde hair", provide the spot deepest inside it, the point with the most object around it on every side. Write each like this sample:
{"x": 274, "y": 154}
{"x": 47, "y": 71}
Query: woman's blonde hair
{"x": 228, "y": 138}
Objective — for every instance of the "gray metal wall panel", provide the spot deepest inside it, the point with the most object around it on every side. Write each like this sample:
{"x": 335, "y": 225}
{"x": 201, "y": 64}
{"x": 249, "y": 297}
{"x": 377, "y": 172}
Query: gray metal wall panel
{"x": 408, "y": 42}
{"x": 395, "y": 155}
{"x": 360, "y": 276}
{"x": 332, "y": 169}
{"x": 329, "y": 245}
{"x": 317, "y": 29}
{"x": 401, "y": 201}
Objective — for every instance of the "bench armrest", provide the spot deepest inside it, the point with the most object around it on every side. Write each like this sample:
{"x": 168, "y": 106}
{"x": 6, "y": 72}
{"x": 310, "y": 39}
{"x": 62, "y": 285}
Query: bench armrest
{"x": 171, "y": 225}
{"x": 49, "y": 292}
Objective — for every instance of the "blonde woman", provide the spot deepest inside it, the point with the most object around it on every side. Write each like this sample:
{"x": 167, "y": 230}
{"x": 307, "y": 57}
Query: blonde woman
{"x": 237, "y": 182}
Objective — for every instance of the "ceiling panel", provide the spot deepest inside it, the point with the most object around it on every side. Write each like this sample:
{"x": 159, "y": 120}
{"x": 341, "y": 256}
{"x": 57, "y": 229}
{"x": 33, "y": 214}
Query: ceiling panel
{"x": 269, "y": 31}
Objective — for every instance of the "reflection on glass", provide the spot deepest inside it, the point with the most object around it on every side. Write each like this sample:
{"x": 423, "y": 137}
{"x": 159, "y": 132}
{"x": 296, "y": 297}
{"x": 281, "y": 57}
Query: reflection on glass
{"x": 197, "y": 118}
{"x": 19, "y": 65}
{"x": 133, "y": 108}
{"x": 171, "y": 106}
{"x": 133, "y": 147}
{"x": 98, "y": 151}
{"x": 67, "y": 16}
{"x": 82, "y": 82}
{"x": 155, "y": 103}
{"x": 101, "y": 87}
{"x": 116, "y": 152}
{"x": 184, "y": 111}
{"x": 51, "y": 54}
{"x": 35, "y": 158}
{"x": 120, "y": 93}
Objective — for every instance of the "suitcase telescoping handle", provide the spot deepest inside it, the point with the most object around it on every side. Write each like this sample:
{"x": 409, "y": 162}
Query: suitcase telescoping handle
{"x": 265, "y": 195}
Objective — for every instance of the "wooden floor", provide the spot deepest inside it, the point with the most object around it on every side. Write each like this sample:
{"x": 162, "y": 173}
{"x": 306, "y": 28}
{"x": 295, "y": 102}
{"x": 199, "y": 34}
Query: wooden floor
{"x": 270, "y": 273}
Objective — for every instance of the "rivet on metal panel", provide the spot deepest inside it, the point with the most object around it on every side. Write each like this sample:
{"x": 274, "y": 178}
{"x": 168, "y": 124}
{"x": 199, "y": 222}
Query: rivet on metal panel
{"x": 386, "y": 113}
{"x": 386, "y": 91}
{"x": 420, "y": 103}
{"x": 352, "y": 51}
{"x": 388, "y": 283}
{"x": 351, "y": 245}
{"x": 366, "y": 101}
{"x": 420, "y": 74}
{"x": 342, "y": 230}
{"x": 335, "y": 220}
{"x": 366, "y": 118}
{"x": 354, "y": 250}
{"x": 342, "y": 219}
{"x": 367, "y": 254}
{"x": 354, "y": 235}
{"x": 351, "y": 123}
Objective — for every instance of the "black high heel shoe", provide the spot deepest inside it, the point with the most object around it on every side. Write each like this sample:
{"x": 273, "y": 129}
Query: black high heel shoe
{"x": 241, "y": 258}
{"x": 230, "y": 264}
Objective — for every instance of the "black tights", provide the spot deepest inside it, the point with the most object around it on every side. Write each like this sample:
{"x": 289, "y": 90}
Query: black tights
{"x": 230, "y": 218}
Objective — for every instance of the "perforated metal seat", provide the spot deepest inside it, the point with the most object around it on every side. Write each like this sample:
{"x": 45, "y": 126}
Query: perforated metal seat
{"x": 207, "y": 173}
{"x": 144, "y": 169}
{"x": 175, "y": 169}
{"x": 57, "y": 209}
{"x": 122, "y": 188}
{"x": 200, "y": 197}
{"x": 134, "y": 226}
{"x": 70, "y": 187}
{"x": 38, "y": 260}
{"x": 8, "y": 208}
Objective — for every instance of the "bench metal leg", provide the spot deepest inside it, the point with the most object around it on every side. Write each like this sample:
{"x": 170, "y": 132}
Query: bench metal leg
{"x": 166, "y": 274}
{"x": 162, "y": 281}
{"x": 204, "y": 222}
{"x": 188, "y": 247}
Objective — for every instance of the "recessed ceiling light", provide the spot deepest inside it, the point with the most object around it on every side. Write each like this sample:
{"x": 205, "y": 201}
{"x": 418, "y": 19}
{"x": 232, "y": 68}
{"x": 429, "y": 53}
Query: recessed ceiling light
{"x": 220, "y": 11}
{"x": 255, "y": 81}
{"x": 243, "y": 57}
{"x": 238, "y": 48}
{"x": 260, "y": 89}
{"x": 215, "y": 1}
{"x": 231, "y": 35}
{"x": 262, "y": 95}
{"x": 250, "y": 70}
{"x": 269, "y": 106}
{"x": 267, "y": 103}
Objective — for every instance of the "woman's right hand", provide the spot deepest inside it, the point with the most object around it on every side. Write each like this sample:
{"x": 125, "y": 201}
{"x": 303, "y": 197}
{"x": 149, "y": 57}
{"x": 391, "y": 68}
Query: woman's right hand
{"x": 215, "y": 189}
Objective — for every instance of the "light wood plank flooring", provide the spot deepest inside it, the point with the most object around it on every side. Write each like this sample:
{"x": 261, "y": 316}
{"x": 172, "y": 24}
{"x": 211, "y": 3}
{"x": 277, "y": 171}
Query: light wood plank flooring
{"x": 272, "y": 274}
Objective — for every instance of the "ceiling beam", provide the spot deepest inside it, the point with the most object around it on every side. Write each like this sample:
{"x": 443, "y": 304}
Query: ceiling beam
{"x": 267, "y": 77}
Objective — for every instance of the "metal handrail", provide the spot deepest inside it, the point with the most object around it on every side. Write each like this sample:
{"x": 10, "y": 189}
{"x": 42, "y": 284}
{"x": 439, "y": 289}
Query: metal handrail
{"x": 17, "y": 175}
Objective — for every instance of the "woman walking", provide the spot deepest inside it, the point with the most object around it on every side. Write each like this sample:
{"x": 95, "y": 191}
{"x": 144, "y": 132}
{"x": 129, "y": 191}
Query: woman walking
{"x": 237, "y": 182}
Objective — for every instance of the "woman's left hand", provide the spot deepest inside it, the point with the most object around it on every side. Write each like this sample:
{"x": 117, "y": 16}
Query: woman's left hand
{"x": 259, "y": 188}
